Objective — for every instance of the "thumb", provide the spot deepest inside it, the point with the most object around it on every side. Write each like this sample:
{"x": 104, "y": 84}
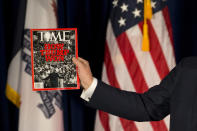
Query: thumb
{"x": 75, "y": 61}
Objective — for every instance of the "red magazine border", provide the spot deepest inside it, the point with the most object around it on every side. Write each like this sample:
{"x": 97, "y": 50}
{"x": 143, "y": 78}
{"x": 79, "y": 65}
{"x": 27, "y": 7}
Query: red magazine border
{"x": 76, "y": 55}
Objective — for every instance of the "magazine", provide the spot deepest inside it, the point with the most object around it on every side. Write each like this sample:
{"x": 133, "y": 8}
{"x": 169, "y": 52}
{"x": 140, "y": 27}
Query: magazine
{"x": 52, "y": 51}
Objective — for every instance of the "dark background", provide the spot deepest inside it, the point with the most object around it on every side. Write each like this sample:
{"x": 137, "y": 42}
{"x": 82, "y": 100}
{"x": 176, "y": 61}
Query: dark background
{"x": 90, "y": 17}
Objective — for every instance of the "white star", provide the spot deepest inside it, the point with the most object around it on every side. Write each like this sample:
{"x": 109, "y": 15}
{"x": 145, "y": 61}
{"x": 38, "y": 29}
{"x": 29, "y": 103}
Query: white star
{"x": 122, "y": 22}
{"x": 124, "y": 7}
{"x": 139, "y": 1}
{"x": 115, "y": 3}
{"x": 153, "y": 4}
{"x": 136, "y": 13}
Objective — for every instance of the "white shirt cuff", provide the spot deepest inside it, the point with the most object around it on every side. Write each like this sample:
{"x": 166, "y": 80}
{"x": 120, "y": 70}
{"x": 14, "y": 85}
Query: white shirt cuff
{"x": 87, "y": 94}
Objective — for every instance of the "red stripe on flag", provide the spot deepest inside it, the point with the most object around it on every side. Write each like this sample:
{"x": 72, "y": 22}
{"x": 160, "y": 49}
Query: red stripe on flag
{"x": 126, "y": 124}
{"x": 110, "y": 68}
{"x": 159, "y": 125}
{"x": 156, "y": 51}
{"x": 168, "y": 24}
{"x": 135, "y": 72}
{"x": 104, "y": 118}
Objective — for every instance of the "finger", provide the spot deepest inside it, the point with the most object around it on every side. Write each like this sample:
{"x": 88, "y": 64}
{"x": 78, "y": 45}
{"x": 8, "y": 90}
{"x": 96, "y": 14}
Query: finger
{"x": 83, "y": 60}
{"x": 75, "y": 61}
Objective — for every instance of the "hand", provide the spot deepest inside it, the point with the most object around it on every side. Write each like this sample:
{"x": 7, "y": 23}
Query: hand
{"x": 84, "y": 71}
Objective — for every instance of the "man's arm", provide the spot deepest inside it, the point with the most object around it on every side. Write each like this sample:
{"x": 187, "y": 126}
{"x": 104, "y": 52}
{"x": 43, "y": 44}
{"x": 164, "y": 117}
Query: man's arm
{"x": 151, "y": 106}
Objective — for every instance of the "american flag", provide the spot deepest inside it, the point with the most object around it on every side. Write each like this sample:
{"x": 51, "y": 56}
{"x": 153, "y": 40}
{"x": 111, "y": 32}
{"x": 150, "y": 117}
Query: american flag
{"x": 129, "y": 68}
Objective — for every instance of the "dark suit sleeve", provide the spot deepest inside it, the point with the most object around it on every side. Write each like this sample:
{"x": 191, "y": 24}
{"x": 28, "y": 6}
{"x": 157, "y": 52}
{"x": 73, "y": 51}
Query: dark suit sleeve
{"x": 152, "y": 105}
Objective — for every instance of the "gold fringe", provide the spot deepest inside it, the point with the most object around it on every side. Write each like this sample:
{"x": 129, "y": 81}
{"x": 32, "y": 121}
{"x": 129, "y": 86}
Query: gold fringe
{"x": 12, "y": 95}
{"x": 148, "y": 9}
{"x": 147, "y": 15}
{"x": 145, "y": 41}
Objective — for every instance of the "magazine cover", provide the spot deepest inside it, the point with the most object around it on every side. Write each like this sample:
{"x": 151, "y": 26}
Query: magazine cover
{"x": 52, "y": 51}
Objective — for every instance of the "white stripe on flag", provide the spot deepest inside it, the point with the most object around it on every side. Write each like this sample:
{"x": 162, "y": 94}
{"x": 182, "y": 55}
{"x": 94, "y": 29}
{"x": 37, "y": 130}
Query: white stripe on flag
{"x": 98, "y": 126}
{"x": 120, "y": 68}
{"x": 160, "y": 28}
{"x": 104, "y": 75}
{"x": 144, "y": 58}
{"x": 167, "y": 121}
{"x": 114, "y": 123}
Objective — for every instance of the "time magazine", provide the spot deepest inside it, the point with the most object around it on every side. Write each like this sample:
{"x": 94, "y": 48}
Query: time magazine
{"x": 52, "y": 51}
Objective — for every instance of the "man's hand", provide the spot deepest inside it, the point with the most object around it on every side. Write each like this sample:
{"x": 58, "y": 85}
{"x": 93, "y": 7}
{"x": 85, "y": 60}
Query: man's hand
{"x": 84, "y": 71}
